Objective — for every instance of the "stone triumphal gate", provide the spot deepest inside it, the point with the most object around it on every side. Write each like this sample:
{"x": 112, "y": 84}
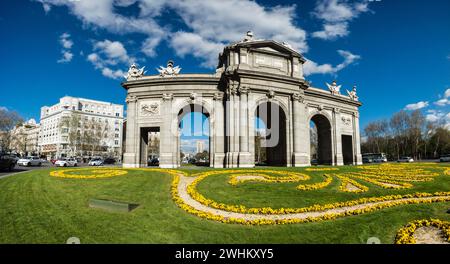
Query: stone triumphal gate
{"x": 254, "y": 79}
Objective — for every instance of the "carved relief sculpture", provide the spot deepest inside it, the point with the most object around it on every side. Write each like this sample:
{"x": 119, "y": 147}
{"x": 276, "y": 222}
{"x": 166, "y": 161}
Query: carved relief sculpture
{"x": 150, "y": 109}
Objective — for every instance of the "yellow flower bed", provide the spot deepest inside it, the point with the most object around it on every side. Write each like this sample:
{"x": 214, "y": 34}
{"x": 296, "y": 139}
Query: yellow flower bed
{"x": 405, "y": 235}
{"x": 316, "y": 186}
{"x": 396, "y": 200}
{"x": 345, "y": 181}
{"x": 88, "y": 173}
{"x": 192, "y": 191}
{"x": 321, "y": 169}
{"x": 261, "y": 177}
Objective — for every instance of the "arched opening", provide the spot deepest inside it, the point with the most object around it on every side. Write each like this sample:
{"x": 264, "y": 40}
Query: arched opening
{"x": 194, "y": 139}
{"x": 320, "y": 139}
{"x": 270, "y": 135}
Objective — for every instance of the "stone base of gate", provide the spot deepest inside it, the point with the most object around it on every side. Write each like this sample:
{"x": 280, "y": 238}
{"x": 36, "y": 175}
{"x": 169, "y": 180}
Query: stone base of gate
{"x": 246, "y": 160}
{"x": 129, "y": 161}
{"x": 301, "y": 160}
{"x": 218, "y": 160}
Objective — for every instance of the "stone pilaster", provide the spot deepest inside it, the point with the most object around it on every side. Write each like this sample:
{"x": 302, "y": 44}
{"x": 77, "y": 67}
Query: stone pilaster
{"x": 357, "y": 140}
{"x": 300, "y": 156}
{"x": 166, "y": 159}
{"x": 219, "y": 134}
{"x": 130, "y": 155}
{"x": 339, "y": 159}
{"x": 245, "y": 158}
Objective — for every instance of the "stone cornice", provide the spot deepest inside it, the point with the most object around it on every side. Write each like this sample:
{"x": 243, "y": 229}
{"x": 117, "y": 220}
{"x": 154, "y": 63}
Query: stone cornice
{"x": 328, "y": 96}
{"x": 182, "y": 79}
{"x": 272, "y": 77}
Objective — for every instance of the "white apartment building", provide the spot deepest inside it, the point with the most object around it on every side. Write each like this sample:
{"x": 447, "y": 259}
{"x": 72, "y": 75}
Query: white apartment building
{"x": 25, "y": 138}
{"x": 57, "y": 138}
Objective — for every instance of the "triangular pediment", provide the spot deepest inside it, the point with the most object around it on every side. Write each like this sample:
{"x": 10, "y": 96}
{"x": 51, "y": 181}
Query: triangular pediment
{"x": 270, "y": 46}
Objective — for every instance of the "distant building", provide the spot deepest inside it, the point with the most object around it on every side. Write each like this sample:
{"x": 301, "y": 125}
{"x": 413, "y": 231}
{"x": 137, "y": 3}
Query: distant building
{"x": 81, "y": 127}
{"x": 25, "y": 138}
{"x": 200, "y": 146}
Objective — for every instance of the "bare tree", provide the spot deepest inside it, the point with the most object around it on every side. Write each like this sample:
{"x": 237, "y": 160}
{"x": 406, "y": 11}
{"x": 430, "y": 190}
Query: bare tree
{"x": 70, "y": 127}
{"x": 8, "y": 120}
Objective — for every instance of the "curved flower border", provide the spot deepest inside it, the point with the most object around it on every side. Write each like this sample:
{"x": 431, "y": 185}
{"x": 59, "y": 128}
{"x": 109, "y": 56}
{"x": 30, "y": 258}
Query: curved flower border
{"x": 405, "y": 235}
{"x": 96, "y": 173}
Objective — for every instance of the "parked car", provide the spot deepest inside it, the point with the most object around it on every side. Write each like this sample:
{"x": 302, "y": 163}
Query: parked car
{"x": 70, "y": 162}
{"x": 405, "y": 159}
{"x": 95, "y": 162}
{"x": 30, "y": 161}
{"x": 380, "y": 160}
{"x": 445, "y": 158}
{"x": 109, "y": 161}
{"x": 153, "y": 162}
{"x": 7, "y": 162}
{"x": 367, "y": 160}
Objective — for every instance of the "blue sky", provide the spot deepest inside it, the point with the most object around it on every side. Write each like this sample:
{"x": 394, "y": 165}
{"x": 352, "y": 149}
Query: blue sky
{"x": 396, "y": 52}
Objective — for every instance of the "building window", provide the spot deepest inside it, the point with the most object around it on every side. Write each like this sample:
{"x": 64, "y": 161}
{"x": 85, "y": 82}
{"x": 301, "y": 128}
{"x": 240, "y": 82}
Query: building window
{"x": 117, "y": 114}
{"x": 116, "y": 142}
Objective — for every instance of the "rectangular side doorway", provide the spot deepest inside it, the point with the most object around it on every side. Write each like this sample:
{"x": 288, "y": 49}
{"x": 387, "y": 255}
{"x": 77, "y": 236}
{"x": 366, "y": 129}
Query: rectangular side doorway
{"x": 149, "y": 146}
{"x": 347, "y": 149}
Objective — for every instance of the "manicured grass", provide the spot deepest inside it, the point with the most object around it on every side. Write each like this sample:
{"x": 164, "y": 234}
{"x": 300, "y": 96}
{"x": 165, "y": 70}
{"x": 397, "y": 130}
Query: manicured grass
{"x": 38, "y": 208}
{"x": 277, "y": 195}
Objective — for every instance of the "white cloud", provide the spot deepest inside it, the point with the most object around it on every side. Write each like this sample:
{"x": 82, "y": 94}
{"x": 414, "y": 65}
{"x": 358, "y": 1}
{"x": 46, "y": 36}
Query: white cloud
{"x": 214, "y": 23}
{"x": 149, "y": 46}
{"x": 66, "y": 43}
{"x": 332, "y": 31}
{"x": 117, "y": 74}
{"x": 416, "y": 106}
{"x": 437, "y": 116}
{"x": 66, "y": 57}
{"x": 46, "y": 7}
{"x": 3, "y": 108}
{"x": 108, "y": 55}
{"x": 336, "y": 14}
{"x": 188, "y": 43}
{"x": 311, "y": 67}
{"x": 113, "y": 50}
{"x": 447, "y": 93}
{"x": 445, "y": 100}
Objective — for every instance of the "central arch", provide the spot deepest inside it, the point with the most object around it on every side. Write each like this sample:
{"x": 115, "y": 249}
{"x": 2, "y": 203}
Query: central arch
{"x": 321, "y": 145}
{"x": 270, "y": 135}
{"x": 194, "y": 126}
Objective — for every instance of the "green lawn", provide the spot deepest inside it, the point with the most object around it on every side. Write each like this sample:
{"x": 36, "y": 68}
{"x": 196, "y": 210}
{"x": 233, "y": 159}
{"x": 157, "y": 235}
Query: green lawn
{"x": 38, "y": 208}
{"x": 277, "y": 195}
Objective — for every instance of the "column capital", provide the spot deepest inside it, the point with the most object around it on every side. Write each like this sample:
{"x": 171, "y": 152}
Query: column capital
{"x": 167, "y": 96}
{"x": 130, "y": 99}
{"x": 218, "y": 96}
{"x": 298, "y": 97}
{"x": 243, "y": 89}
{"x": 232, "y": 87}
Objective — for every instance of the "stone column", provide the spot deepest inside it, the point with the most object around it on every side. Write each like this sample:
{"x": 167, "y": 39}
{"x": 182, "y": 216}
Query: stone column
{"x": 301, "y": 132}
{"x": 130, "y": 155}
{"x": 245, "y": 159}
{"x": 166, "y": 134}
{"x": 339, "y": 159}
{"x": 231, "y": 155}
{"x": 357, "y": 140}
{"x": 219, "y": 132}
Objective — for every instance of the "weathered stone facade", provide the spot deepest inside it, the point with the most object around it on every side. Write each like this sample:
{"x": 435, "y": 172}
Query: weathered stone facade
{"x": 253, "y": 77}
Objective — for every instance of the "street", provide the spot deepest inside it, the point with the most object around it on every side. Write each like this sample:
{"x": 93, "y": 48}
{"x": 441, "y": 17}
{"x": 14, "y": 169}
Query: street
{"x": 45, "y": 165}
